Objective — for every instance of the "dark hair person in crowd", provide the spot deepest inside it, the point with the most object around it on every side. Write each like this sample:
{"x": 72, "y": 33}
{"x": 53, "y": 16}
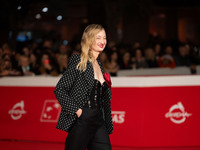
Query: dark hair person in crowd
{"x": 84, "y": 94}
{"x": 183, "y": 58}
{"x": 112, "y": 64}
{"x": 47, "y": 67}
{"x": 139, "y": 60}
{"x": 150, "y": 58}
{"x": 126, "y": 61}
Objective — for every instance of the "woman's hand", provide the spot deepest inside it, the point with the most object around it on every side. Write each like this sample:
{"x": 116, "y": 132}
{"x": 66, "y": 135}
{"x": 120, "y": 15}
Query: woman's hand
{"x": 47, "y": 66}
{"x": 79, "y": 112}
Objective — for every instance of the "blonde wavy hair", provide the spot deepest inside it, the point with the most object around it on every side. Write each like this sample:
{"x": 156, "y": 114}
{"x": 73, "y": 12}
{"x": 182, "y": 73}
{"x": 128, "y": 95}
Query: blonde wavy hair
{"x": 87, "y": 40}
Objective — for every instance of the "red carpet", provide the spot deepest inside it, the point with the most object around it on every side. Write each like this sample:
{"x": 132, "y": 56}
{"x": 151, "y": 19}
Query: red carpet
{"x": 28, "y": 145}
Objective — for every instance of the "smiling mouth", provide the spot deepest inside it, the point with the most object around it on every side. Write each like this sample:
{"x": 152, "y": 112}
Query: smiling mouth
{"x": 101, "y": 45}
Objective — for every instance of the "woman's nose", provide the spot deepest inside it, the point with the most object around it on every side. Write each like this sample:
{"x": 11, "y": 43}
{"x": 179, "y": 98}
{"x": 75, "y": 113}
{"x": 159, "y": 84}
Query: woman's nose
{"x": 103, "y": 41}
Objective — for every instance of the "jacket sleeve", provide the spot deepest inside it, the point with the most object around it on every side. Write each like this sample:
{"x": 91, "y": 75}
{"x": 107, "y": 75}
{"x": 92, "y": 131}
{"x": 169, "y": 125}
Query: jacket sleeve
{"x": 65, "y": 84}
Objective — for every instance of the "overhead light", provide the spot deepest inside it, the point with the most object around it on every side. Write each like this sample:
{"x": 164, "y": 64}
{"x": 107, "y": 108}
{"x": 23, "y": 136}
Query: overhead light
{"x": 59, "y": 17}
{"x": 19, "y": 7}
{"x": 45, "y": 9}
{"x": 65, "y": 42}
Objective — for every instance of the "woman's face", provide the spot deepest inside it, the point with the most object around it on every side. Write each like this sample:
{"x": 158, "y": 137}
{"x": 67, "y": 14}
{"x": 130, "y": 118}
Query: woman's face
{"x": 45, "y": 57}
{"x": 126, "y": 57}
{"x": 100, "y": 41}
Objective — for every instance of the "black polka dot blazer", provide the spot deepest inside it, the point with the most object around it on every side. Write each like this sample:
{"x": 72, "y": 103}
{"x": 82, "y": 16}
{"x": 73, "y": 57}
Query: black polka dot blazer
{"x": 73, "y": 91}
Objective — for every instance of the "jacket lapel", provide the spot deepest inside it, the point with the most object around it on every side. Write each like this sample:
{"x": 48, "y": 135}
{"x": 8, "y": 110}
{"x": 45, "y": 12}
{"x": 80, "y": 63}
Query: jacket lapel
{"x": 89, "y": 74}
{"x": 101, "y": 66}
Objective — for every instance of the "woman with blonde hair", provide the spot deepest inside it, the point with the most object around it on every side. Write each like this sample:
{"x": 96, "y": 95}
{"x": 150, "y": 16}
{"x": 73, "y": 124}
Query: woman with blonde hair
{"x": 84, "y": 94}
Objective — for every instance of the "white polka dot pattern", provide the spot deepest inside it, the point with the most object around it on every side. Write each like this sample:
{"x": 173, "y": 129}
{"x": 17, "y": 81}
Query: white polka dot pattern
{"x": 73, "y": 91}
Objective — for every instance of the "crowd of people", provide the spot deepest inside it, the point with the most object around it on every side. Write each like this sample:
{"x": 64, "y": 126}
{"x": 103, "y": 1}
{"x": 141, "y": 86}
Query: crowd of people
{"x": 48, "y": 58}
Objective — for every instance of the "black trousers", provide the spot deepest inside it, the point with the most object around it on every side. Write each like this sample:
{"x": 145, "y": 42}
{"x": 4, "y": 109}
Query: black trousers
{"x": 89, "y": 131}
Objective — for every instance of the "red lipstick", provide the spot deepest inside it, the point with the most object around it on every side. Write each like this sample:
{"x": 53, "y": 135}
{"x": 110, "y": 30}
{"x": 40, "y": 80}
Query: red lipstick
{"x": 101, "y": 45}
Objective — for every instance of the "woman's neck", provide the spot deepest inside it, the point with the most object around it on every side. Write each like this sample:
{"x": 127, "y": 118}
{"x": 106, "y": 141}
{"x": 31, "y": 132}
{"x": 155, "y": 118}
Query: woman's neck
{"x": 95, "y": 55}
